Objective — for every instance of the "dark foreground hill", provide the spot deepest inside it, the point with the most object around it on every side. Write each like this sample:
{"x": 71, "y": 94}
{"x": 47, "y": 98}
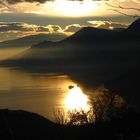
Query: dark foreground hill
{"x": 22, "y": 125}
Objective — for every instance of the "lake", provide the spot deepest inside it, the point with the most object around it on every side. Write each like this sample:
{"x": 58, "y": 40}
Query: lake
{"x": 36, "y": 92}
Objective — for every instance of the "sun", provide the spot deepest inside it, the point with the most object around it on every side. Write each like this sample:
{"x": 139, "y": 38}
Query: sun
{"x": 76, "y": 100}
{"x": 73, "y": 8}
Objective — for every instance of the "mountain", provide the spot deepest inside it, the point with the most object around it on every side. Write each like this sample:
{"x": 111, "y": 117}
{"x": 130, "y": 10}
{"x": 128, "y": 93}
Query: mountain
{"x": 30, "y": 40}
{"x": 93, "y": 36}
{"x": 127, "y": 85}
{"x": 91, "y": 56}
{"x": 86, "y": 35}
{"x": 23, "y": 125}
{"x": 133, "y": 31}
{"x": 135, "y": 26}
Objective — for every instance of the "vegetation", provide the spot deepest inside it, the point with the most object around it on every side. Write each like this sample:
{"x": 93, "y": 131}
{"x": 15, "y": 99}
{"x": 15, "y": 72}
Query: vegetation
{"x": 108, "y": 105}
{"x": 105, "y": 106}
{"x": 73, "y": 117}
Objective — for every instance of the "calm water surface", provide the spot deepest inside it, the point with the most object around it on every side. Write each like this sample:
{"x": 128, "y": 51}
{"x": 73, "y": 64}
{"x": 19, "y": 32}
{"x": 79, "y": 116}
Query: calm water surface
{"x": 39, "y": 93}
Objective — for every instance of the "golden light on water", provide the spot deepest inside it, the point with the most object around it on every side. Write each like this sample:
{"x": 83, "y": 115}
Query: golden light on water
{"x": 76, "y": 100}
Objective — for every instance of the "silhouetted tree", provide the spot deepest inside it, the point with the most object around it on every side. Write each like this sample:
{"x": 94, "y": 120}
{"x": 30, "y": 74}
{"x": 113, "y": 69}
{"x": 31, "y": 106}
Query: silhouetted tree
{"x": 60, "y": 116}
{"x": 73, "y": 117}
{"x": 107, "y": 105}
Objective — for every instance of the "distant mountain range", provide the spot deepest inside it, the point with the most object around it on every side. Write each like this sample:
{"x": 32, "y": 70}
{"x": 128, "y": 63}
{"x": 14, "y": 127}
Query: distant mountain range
{"x": 91, "y": 57}
{"x": 31, "y": 40}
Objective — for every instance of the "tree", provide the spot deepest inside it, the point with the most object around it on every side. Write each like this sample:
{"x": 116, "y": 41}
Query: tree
{"x": 73, "y": 117}
{"x": 107, "y": 105}
{"x": 104, "y": 107}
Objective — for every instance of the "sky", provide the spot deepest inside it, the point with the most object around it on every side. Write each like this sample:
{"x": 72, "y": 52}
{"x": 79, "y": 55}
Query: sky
{"x": 20, "y": 18}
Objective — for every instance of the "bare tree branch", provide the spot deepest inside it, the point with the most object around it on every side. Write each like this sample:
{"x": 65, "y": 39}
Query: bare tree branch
{"x": 119, "y": 8}
{"x": 122, "y": 13}
{"x": 122, "y": 7}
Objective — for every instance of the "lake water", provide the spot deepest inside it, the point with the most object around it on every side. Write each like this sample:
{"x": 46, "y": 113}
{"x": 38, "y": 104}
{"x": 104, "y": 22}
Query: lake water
{"x": 35, "y": 92}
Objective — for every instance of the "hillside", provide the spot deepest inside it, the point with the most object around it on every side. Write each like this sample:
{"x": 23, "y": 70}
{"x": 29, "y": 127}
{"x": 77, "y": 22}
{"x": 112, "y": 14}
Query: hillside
{"x": 24, "y": 125}
{"x": 30, "y": 40}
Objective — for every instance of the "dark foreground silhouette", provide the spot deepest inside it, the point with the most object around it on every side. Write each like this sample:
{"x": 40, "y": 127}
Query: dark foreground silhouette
{"x": 22, "y": 125}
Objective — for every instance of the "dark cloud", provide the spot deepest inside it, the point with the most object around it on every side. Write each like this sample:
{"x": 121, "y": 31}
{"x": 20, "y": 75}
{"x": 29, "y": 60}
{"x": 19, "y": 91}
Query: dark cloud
{"x": 18, "y": 1}
{"x": 14, "y": 26}
{"x": 31, "y": 1}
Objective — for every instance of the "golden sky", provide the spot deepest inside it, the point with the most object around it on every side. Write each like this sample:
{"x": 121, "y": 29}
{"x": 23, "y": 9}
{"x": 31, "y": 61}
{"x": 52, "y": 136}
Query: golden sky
{"x": 20, "y": 18}
{"x": 67, "y": 8}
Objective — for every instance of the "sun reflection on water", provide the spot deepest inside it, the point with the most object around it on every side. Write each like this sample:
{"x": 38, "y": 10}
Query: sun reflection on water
{"x": 76, "y": 99}
{"x": 77, "y": 109}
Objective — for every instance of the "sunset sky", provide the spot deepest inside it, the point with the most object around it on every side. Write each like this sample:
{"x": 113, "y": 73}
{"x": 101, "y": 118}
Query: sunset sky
{"x": 19, "y": 18}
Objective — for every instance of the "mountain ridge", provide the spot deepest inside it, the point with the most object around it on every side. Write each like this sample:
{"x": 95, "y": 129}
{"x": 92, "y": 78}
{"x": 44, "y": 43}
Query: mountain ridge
{"x": 92, "y": 34}
{"x": 31, "y": 39}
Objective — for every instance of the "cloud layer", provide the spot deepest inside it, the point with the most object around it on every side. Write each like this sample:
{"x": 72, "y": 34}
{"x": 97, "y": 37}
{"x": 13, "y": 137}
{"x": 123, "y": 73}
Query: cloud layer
{"x": 12, "y": 30}
{"x": 65, "y": 7}
{"x": 25, "y": 27}
{"x": 107, "y": 24}
{"x": 36, "y": 1}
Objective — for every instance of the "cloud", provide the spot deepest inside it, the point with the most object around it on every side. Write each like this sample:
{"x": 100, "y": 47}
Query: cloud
{"x": 72, "y": 28}
{"x": 55, "y": 7}
{"x": 12, "y": 30}
{"x": 19, "y": 1}
{"x": 42, "y": 29}
{"x": 107, "y": 24}
{"x": 37, "y": 5}
{"x": 25, "y": 27}
{"x": 54, "y": 28}
{"x": 137, "y": 1}
{"x": 34, "y": 1}
{"x": 15, "y": 26}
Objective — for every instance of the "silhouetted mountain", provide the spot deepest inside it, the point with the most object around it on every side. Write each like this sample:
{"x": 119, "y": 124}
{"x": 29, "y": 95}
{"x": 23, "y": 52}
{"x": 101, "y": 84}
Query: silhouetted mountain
{"x": 127, "y": 85}
{"x": 135, "y": 26}
{"x": 93, "y": 36}
{"x": 15, "y": 125}
{"x": 90, "y": 35}
{"x": 43, "y": 44}
{"x": 133, "y": 31}
{"x": 32, "y": 39}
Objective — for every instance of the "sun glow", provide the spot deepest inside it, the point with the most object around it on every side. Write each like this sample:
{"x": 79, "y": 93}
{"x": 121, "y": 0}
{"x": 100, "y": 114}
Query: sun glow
{"x": 73, "y": 8}
{"x": 76, "y": 100}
